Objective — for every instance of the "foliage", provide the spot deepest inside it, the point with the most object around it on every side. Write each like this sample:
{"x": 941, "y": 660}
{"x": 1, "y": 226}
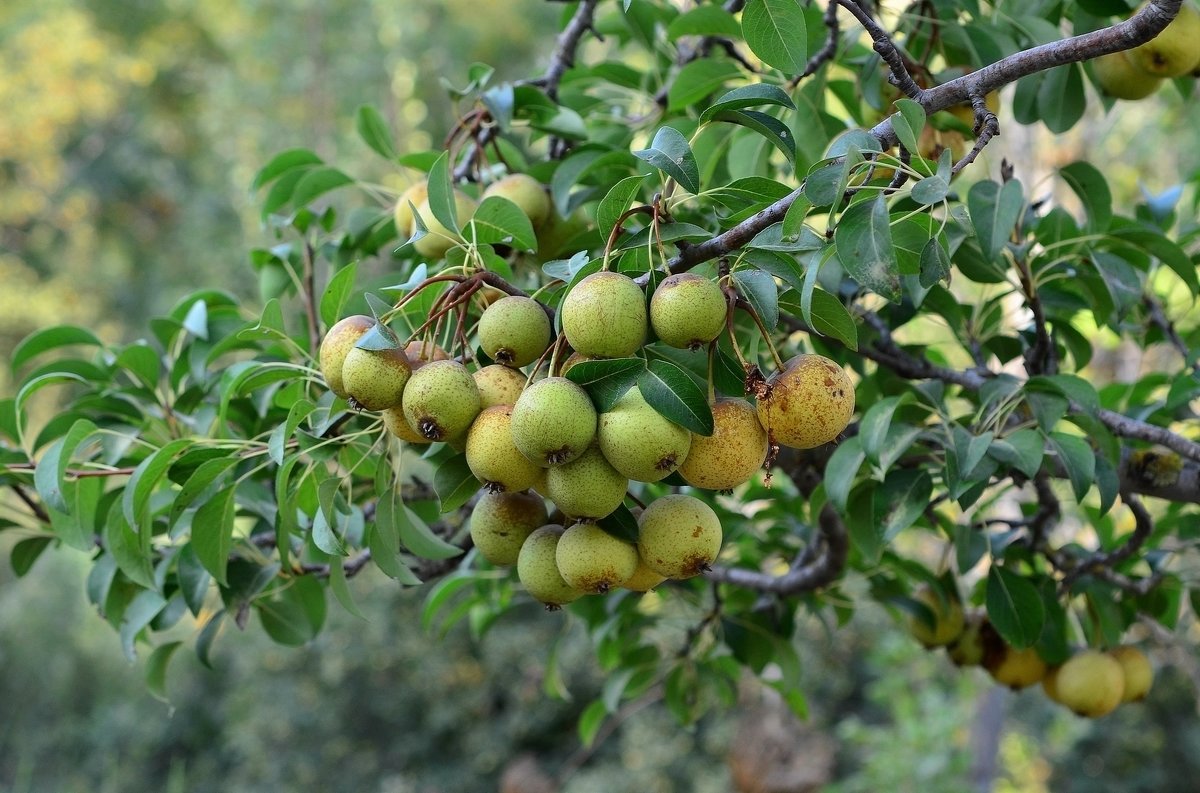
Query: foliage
{"x": 213, "y": 478}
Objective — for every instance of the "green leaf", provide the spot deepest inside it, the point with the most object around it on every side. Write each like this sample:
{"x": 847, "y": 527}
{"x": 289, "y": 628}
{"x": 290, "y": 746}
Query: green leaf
{"x": 930, "y": 190}
{"x": 863, "y": 238}
{"x": 777, "y": 32}
{"x": 52, "y": 468}
{"x": 441, "y": 194}
{"x": 499, "y": 220}
{"x": 441, "y": 593}
{"x": 935, "y": 264}
{"x": 148, "y": 474}
{"x": 316, "y": 183}
{"x": 670, "y": 153}
{"x": 26, "y": 552}
{"x": 771, "y": 128}
{"x": 901, "y": 500}
{"x": 994, "y": 211}
{"x": 282, "y": 163}
{"x": 1014, "y": 607}
{"x": 761, "y": 293}
{"x": 129, "y": 550}
{"x": 606, "y": 381}
{"x": 328, "y": 518}
{"x": 142, "y": 362}
{"x": 48, "y": 339}
{"x": 615, "y": 202}
{"x": 341, "y": 588}
{"x": 621, "y": 524}
{"x": 698, "y": 79}
{"x": 194, "y": 580}
{"x": 908, "y": 123}
{"x": 1023, "y": 449}
{"x": 1078, "y": 457}
{"x": 753, "y": 95}
{"x": 419, "y": 539}
{"x": 144, "y": 607}
{"x": 374, "y": 131}
{"x": 208, "y": 472}
{"x": 1090, "y": 186}
{"x": 454, "y": 483}
{"x": 841, "y": 471}
{"x": 333, "y": 299}
{"x": 590, "y": 720}
{"x": 873, "y": 428}
{"x": 212, "y": 533}
{"x": 705, "y": 20}
{"x": 675, "y": 395}
{"x": 1060, "y": 98}
{"x": 156, "y": 669}
{"x": 293, "y": 615}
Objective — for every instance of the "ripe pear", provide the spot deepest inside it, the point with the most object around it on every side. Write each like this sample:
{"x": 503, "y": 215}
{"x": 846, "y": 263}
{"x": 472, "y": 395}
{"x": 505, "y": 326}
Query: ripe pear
{"x": 807, "y": 404}
{"x": 500, "y": 522}
{"x": 587, "y": 488}
{"x": 688, "y": 311}
{"x": 644, "y": 578}
{"x": 537, "y": 568}
{"x": 375, "y": 379}
{"x": 553, "y": 421}
{"x": 1091, "y": 683}
{"x": 1014, "y": 668}
{"x": 403, "y": 211}
{"x": 639, "y": 441}
{"x": 441, "y": 239}
{"x": 527, "y": 193}
{"x": 422, "y": 352}
{"x": 592, "y": 560}
{"x": 394, "y": 421}
{"x": 1175, "y": 51}
{"x": 441, "y": 400}
{"x": 947, "y": 616}
{"x": 573, "y": 359}
{"x": 499, "y": 385}
{"x": 679, "y": 536}
{"x": 604, "y": 316}
{"x": 493, "y": 457}
{"x": 514, "y": 331}
{"x": 1118, "y": 77}
{"x": 730, "y": 456}
{"x": 932, "y": 142}
{"x": 338, "y": 341}
{"x": 968, "y": 649}
{"x": 1139, "y": 674}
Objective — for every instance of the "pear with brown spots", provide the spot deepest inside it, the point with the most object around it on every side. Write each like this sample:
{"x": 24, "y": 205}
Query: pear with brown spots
{"x": 679, "y": 536}
{"x": 441, "y": 400}
{"x": 807, "y": 404}
{"x": 338, "y": 341}
{"x": 592, "y": 560}
{"x": 492, "y": 456}
{"x": 500, "y": 523}
{"x": 375, "y": 379}
{"x": 731, "y": 455}
{"x": 499, "y": 385}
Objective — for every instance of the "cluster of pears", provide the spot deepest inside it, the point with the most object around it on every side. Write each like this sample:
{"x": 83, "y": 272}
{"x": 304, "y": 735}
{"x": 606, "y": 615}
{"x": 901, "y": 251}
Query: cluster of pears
{"x": 1139, "y": 72}
{"x": 1091, "y": 683}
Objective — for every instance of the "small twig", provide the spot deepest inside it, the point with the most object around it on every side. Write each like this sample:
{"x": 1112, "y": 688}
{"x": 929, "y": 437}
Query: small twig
{"x": 566, "y": 48}
{"x": 823, "y": 570}
{"x": 987, "y": 126}
{"x": 887, "y": 50}
{"x": 310, "y": 299}
{"x": 37, "y": 509}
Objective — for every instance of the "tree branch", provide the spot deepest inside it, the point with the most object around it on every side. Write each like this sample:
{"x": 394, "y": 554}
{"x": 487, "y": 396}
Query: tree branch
{"x": 824, "y": 569}
{"x": 567, "y": 46}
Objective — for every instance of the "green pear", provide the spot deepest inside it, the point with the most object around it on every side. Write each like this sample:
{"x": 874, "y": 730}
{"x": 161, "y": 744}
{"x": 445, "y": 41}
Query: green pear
{"x": 1175, "y": 51}
{"x": 440, "y": 239}
{"x": 441, "y": 400}
{"x": 422, "y": 352}
{"x": 735, "y": 450}
{"x": 537, "y": 568}
{"x": 1090, "y": 683}
{"x": 687, "y": 311}
{"x": 499, "y": 385}
{"x": 1118, "y": 77}
{"x": 338, "y": 341}
{"x": 639, "y": 441}
{"x": 679, "y": 536}
{"x": 1139, "y": 674}
{"x": 527, "y": 193}
{"x": 942, "y": 620}
{"x": 553, "y": 421}
{"x": 403, "y": 211}
{"x": 500, "y": 523}
{"x": 493, "y": 457}
{"x": 375, "y": 379}
{"x": 592, "y": 560}
{"x": 587, "y": 488}
{"x": 396, "y": 424}
{"x": 515, "y": 331}
{"x": 604, "y": 316}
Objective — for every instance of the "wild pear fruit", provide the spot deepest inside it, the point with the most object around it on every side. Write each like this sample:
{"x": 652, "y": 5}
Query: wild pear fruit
{"x": 537, "y": 568}
{"x": 604, "y": 316}
{"x": 587, "y": 488}
{"x": 644, "y": 578}
{"x": 592, "y": 560}
{"x": 514, "y": 331}
{"x": 1090, "y": 683}
{"x": 441, "y": 400}
{"x": 375, "y": 379}
{"x": 422, "y": 352}
{"x": 807, "y": 404}
{"x": 499, "y": 385}
{"x": 394, "y": 421}
{"x": 553, "y": 421}
{"x": 1139, "y": 674}
{"x": 441, "y": 239}
{"x": 338, "y": 341}
{"x": 942, "y": 622}
{"x": 687, "y": 311}
{"x": 527, "y": 193}
{"x": 968, "y": 649}
{"x": 679, "y": 536}
{"x": 500, "y": 523}
{"x": 493, "y": 457}
{"x": 1009, "y": 666}
{"x": 403, "y": 211}
{"x": 1173, "y": 52}
{"x": 639, "y": 441}
{"x": 730, "y": 456}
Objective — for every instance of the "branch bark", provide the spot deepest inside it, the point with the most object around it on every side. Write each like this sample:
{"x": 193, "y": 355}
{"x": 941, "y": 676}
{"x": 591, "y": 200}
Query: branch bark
{"x": 825, "y": 568}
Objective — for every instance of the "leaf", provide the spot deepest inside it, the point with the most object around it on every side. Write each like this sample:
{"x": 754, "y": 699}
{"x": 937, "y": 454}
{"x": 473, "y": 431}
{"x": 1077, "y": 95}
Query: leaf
{"x": 194, "y": 580}
{"x": 901, "y": 500}
{"x": 212, "y": 533}
{"x": 873, "y": 428}
{"x": 283, "y": 162}
{"x": 293, "y": 615}
{"x": 26, "y": 552}
{"x": 419, "y": 539}
{"x": 1023, "y": 449}
{"x": 52, "y": 468}
{"x": 841, "y": 471}
{"x": 670, "y": 153}
{"x": 777, "y": 32}
{"x": 144, "y": 607}
{"x": 316, "y": 183}
{"x": 994, "y": 212}
{"x": 196, "y": 484}
{"x": 145, "y": 477}
{"x": 1077, "y": 456}
{"x": 676, "y": 396}
{"x": 1060, "y": 98}
{"x": 341, "y": 588}
{"x": 935, "y": 264}
{"x": 698, "y": 79}
{"x": 863, "y": 239}
{"x": 333, "y": 299}
{"x": 499, "y": 220}
{"x": 621, "y": 524}
{"x": 705, "y": 20}
{"x": 374, "y": 131}
{"x": 908, "y": 122}
{"x": 1014, "y": 607}
{"x": 454, "y": 483}
{"x": 48, "y": 339}
{"x": 606, "y": 381}
{"x": 753, "y": 95}
{"x": 771, "y": 128}
{"x": 614, "y": 204}
{"x": 590, "y": 720}
{"x": 441, "y": 194}
{"x": 761, "y": 293}
{"x": 1090, "y": 186}
{"x": 930, "y": 190}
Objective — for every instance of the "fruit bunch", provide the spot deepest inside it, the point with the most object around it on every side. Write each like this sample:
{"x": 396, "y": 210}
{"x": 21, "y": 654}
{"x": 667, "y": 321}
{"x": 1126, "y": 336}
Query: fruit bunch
{"x": 1139, "y": 72}
{"x": 1090, "y": 682}
{"x": 553, "y": 459}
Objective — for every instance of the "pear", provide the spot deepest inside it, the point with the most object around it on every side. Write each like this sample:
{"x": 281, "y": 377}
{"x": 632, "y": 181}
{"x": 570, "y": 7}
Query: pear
{"x": 527, "y": 193}
{"x": 587, "y": 488}
{"x": 559, "y": 236}
{"x": 571, "y": 360}
{"x": 499, "y": 385}
{"x": 394, "y": 421}
{"x": 592, "y": 560}
{"x": 1175, "y": 51}
{"x": 403, "y": 211}
{"x": 375, "y": 379}
{"x": 441, "y": 400}
{"x": 679, "y": 536}
{"x": 1118, "y": 77}
{"x": 338, "y": 341}
{"x": 1139, "y": 674}
{"x": 687, "y": 311}
{"x": 730, "y": 456}
{"x": 441, "y": 239}
{"x": 514, "y": 331}
{"x": 537, "y": 568}
{"x": 639, "y": 442}
{"x": 493, "y": 457}
{"x": 644, "y": 578}
{"x": 942, "y": 622}
{"x": 422, "y": 352}
{"x": 968, "y": 649}
{"x": 604, "y": 316}
{"x": 1009, "y": 666}
{"x": 500, "y": 523}
{"x": 1091, "y": 684}
{"x": 553, "y": 421}
{"x": 807, "y": 404}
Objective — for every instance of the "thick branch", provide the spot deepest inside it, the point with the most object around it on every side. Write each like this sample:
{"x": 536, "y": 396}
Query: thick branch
{"x": 824, "y": 569}
{"x": 565, "y": 49}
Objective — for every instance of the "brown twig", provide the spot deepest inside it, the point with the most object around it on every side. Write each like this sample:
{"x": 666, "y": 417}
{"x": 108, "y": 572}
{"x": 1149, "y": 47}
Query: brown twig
{"x": 823, "y": 570}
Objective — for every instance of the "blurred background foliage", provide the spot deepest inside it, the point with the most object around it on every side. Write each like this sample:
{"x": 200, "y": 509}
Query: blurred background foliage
{"x": 130, "y": 133}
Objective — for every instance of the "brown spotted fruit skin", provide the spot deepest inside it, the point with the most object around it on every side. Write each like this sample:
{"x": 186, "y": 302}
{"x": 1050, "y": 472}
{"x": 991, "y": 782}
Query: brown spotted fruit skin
{"x": 537, "y": 568}
{"x": 422, "y": 352}
{"x": 493, "y": 457}
{"x": 592, "y": 560}
{"x": 588, "y": 487}
{"x": 808, "y": 404}
{"x": 338, "y": 341}
{"x": 375, "y": 379}
{"x": 499, "y": 385}
{"x": 640, "y": 442}
{"x": 441, "y": 401}
{"x": 394, "y": 421}
{"x": 731, "y": 455}
{"x": 604, "y": 316}
{"x": 679, "y": 536}
{"x": 500, "y": 523}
